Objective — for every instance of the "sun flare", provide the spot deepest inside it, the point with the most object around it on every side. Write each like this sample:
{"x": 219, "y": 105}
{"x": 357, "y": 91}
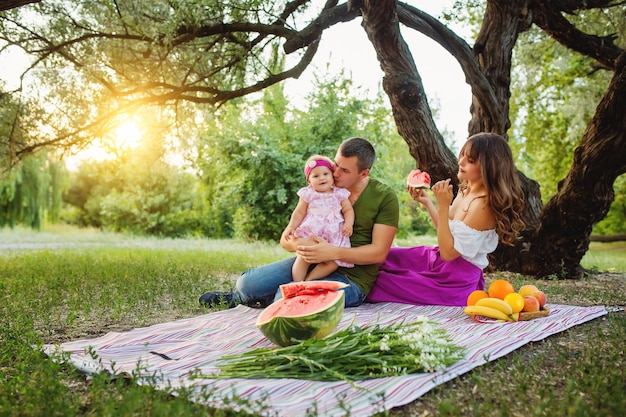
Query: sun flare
{"x": 128, "y": 135}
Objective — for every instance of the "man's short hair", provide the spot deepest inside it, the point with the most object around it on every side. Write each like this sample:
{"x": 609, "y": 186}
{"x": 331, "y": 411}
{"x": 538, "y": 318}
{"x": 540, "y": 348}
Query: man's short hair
{"x": 362, "y": 149}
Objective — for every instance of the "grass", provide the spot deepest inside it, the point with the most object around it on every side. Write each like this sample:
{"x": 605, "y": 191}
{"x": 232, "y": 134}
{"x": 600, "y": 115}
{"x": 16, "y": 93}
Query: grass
{"x": 65, "y": 284}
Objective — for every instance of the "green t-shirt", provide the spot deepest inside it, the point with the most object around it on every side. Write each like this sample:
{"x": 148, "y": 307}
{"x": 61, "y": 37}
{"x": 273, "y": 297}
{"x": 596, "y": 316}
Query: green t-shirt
{"x": 377, "y": 204}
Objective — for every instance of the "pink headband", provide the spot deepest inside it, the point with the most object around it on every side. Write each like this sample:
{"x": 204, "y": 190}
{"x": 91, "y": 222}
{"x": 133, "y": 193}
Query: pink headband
{"x": 317, "y": 163}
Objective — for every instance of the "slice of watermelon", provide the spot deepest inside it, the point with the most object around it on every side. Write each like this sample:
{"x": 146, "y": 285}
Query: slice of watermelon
{"x": 310, "y": 287}
{"x": 314, "y": 312}
{"x": 418, "y": 179}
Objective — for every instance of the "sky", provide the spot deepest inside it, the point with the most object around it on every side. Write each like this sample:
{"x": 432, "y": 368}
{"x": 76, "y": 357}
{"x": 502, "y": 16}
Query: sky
{"x": 346, "y": 47}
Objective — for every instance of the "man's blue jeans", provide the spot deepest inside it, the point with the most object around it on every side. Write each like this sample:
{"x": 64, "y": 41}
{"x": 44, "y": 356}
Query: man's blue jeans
{"x": 260, "y": 285}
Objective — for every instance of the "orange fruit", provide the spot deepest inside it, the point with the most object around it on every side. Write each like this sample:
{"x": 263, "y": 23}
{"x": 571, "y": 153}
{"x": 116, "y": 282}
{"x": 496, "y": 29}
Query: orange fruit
{"x": 475, "y": 296}
{"x": 515, "y": 300}
{"x": 500, "y": 288}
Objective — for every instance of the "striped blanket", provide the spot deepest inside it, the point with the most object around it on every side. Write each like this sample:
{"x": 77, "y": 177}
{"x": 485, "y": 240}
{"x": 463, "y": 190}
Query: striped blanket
{"x": 171, "y": 355}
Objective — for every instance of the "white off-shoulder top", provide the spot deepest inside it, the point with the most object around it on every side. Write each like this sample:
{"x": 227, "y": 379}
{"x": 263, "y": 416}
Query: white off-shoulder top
{"x": 472, "y": 244}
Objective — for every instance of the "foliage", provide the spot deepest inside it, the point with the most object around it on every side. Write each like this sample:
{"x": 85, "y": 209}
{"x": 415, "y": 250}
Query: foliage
{"x": 20, "y": 126}
{"x": 31, "y": 192}
{"x": 111, "y": 53}
{"x": 554, "y": 94}
{"x": 252, "y": 155}
{"x": 615, "y": 221}
{"x": 249, "y": 163}
{"x": 138, "y": 195}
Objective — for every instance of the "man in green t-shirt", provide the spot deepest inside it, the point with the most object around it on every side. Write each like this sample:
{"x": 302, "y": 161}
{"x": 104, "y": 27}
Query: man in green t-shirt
{"x": 376, "y": 212}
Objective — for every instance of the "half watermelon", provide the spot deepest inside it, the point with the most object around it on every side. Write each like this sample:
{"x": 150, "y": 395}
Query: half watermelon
{"x": 308, "y": 309}
{"x": 418, "y": 179}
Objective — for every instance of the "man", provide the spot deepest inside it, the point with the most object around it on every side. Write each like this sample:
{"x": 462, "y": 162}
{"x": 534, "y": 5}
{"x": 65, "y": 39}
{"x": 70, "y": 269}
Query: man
{"x": 376, "y": 222}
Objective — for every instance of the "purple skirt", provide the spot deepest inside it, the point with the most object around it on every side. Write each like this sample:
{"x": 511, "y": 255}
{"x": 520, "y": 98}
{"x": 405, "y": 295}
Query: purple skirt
{"x": 419, "y": 276}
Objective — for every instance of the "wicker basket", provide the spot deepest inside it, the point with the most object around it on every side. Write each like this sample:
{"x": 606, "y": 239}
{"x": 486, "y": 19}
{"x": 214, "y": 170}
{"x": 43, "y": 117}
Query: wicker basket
{"x": 534, "y": 314}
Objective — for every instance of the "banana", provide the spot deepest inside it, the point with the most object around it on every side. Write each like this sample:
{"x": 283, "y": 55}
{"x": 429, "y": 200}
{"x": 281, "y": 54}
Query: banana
{"x": 487, "y": 312}
{"x": 496, "y": 303}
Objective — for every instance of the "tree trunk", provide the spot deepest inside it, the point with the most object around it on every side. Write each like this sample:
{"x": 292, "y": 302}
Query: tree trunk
{"x": 405, "y": 90}
{"x": 586, "y": 193}
{"x": 502, "y": 24}
{"x": 608, "y": 238}
{"x": 557, "y": 235}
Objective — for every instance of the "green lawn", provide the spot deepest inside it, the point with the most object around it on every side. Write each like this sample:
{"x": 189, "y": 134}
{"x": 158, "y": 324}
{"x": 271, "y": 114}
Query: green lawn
{"x": 66, "y": 284}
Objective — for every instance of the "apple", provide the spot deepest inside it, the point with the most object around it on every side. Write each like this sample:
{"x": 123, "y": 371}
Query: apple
{"x": 528, "y": 289}
{"x": 541, "y": 297}
{"x": 530, "y": 304}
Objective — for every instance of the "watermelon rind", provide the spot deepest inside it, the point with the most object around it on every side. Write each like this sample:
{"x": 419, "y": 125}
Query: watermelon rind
{"x": 291, "y": 330}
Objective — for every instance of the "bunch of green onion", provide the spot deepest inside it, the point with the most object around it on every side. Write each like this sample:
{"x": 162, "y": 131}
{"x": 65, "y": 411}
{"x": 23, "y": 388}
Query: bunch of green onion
{"x": 356, "y": 353}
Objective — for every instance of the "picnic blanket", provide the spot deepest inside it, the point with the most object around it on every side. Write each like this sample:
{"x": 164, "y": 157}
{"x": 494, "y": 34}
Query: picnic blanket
{"x": 168, "y": 355}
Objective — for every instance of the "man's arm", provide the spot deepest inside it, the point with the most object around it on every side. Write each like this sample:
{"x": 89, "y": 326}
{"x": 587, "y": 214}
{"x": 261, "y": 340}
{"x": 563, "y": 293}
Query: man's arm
{"x": 373, "y": 253}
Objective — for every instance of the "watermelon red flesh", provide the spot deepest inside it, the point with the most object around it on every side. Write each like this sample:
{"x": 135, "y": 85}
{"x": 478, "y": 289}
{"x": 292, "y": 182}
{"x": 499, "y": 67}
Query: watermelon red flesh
{"x": 309, "y": 287}
{"x": 290, "y": 320}
{"x": 418, "y": 179}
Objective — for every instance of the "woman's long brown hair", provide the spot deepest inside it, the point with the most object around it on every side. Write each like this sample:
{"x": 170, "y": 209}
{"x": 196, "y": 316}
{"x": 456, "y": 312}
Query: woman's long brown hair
{"x": 506, "y": 197}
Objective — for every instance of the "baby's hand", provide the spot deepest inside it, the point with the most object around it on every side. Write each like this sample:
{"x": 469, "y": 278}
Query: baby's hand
{"x": 346, "y": 230}
{"x": 287, "y": 234}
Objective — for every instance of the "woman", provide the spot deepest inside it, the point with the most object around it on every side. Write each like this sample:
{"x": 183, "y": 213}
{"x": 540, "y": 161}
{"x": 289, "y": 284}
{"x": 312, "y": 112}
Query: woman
{"x": 486, "y": 210}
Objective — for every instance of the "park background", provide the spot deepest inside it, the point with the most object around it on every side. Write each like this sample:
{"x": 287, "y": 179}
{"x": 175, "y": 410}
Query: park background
{"x": 233, "y": 171}
{"x": 130, "y": 230}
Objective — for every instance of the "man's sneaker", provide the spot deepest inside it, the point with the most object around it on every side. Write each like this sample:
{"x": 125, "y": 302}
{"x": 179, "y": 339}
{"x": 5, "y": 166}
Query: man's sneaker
{"x": 218, "y": 299}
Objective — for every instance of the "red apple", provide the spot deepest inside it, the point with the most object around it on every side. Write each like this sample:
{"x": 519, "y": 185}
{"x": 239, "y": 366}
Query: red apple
{"x": 530, "y": 304}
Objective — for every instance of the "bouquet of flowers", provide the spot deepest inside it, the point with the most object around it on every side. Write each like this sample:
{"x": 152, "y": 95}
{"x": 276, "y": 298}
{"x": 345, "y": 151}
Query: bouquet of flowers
{"x": 355, "y": 353}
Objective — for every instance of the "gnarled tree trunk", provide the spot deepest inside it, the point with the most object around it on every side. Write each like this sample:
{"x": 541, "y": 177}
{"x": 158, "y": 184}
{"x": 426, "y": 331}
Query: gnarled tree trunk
{"x": 586, "y": 193}
{"x": 557, "y": 235}
{"x": 405, "y": 90}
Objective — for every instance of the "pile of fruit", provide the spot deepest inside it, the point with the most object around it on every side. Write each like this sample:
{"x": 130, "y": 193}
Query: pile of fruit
{"x": 502, "y": 302}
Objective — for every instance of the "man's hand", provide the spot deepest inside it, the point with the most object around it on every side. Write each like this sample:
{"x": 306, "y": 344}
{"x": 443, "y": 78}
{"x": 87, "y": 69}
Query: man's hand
{"x": 319, "y": 251}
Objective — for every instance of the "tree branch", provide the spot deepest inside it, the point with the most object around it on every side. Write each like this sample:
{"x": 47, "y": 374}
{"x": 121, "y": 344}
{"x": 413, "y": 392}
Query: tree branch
{"x": 405, "y": 89}
{"x": 327, "y": 18}
{"x": 176, "y": 93}
{"x": 11, "y": 4}
{"x": 450, "y": 41}
{"x": 548, "y": 16}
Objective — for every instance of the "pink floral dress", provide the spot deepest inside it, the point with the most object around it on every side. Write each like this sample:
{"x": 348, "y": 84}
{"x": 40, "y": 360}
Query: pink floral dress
{"x": 324, "y": 217}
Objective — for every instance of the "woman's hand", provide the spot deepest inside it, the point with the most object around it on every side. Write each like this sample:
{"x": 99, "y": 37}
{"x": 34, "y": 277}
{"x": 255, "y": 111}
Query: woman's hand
{"x": 443, "y": 193}
{"x": 419, "y": 194}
